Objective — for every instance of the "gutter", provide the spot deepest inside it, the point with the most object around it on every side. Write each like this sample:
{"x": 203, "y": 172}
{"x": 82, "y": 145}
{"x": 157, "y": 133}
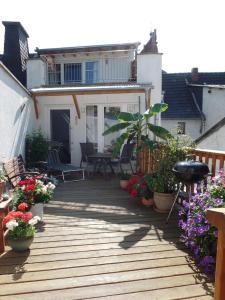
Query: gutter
{"x": 202, "y": 115}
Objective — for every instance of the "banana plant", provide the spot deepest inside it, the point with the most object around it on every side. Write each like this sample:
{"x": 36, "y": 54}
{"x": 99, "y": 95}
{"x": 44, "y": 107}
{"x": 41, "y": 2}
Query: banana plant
{"x": 136, "y": 128}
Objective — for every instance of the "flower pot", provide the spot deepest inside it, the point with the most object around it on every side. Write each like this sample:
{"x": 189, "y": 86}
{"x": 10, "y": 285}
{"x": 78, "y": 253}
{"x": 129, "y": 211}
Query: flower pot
{"x": 124, "y": 183}
{"x": 20, "y": 244}
{"x": 163, "y": 202}
{"x": 147, "y": 202}
{"x": 37, "y": 210}
{"x": 2, "y": 188}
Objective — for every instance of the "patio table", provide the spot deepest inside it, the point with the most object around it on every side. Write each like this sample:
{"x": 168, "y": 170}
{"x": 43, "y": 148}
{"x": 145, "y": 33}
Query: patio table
{"x": 102, "y": 159}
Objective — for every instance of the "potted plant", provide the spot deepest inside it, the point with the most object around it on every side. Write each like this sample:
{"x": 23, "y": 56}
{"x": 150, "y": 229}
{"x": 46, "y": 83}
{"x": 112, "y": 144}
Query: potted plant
{"x": 35, "y": 193}
{"x": 20, "y": 225}
{"x": 124, "y": 179}
{"x": 163, "y": 181}
{"x": 3, "y": 180}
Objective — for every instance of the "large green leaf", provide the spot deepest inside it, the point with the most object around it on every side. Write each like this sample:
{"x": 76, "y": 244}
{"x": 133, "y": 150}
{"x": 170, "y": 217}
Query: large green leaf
{"x": 116, "y": 127}
{"x": 159, "y": 131}
{"x": 155, "y": 110}
{"x": 118, "y": 144}
{"x": 125, "y": 117}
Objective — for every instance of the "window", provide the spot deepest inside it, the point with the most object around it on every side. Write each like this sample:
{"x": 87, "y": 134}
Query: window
{"x": 91, "y": 71}
{"x": 181, "y": 128}
{"x": 72, "y": 73}
{"x": 54, "y": 74}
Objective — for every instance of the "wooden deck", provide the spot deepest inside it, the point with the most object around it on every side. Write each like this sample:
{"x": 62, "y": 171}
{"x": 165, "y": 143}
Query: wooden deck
{"x": 97, "y": 243}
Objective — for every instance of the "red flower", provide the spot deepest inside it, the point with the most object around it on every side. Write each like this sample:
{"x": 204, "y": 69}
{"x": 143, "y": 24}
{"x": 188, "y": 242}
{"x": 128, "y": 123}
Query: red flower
{"x": 30, "y": 187}
{"x": 133, "y": 180}
{"x": 133, "y": 193}
{"x": 22, "y": 206}
{"x": 26, "y": 217}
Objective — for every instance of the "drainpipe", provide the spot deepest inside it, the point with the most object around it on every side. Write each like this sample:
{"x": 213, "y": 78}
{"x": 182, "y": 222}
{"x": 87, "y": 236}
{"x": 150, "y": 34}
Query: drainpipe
{"x": 202, "y": 115}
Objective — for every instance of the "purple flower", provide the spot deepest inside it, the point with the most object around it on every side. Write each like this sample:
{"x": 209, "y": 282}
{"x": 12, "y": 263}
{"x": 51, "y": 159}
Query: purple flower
{"x": 219, "y": 201}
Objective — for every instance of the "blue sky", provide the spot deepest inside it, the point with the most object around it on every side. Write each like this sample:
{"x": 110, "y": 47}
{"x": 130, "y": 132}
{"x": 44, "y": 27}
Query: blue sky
{"x": 190, "y": 33}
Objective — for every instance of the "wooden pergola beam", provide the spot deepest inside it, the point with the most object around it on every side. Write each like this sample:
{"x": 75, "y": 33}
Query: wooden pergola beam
{"x": 35, "y": 107}
{"x": 76, "y": 105}
{"x": 97, "y": 92}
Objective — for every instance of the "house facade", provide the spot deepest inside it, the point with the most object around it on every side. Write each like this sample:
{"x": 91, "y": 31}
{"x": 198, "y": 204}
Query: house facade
{"x": 79, "y": 91}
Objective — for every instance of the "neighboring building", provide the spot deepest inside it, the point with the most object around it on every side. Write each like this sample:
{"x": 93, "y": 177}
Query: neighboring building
{"x": 190, "y": 111}
{"x": 213, "y": 139}
{"x": 78, "y": 91}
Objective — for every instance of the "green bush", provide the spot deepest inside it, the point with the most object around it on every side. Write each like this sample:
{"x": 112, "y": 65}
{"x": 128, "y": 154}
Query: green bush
{"x": 36, "y": 148}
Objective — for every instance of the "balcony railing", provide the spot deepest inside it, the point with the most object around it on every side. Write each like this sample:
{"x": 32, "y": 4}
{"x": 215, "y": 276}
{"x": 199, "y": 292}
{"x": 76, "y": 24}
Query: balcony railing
{"x": 107, "y": 70}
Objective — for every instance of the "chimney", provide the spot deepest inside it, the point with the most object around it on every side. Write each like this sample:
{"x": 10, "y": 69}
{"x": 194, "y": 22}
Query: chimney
{"x": 16, "y": 50}
{"x": 194, "y": 74}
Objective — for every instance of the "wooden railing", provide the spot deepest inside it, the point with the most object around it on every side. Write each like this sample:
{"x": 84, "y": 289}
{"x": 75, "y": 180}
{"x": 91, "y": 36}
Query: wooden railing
{"x": 214, "y": 159}
{"x": 216, "y": 217}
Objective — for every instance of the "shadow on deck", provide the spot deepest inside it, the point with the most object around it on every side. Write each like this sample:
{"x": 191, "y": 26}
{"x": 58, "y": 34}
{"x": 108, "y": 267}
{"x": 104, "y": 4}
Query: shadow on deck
{"x": 97, "y": 243}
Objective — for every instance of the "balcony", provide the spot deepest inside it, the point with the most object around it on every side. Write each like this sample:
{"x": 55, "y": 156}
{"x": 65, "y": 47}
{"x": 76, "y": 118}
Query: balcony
{"x": 101, "y": 71}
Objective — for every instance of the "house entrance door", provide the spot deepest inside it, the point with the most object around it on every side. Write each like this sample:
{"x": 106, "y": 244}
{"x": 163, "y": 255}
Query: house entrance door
{"x": 60, "y": 132}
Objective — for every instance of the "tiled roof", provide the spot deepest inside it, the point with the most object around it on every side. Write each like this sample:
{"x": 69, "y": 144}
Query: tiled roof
{"x": 178, "y": 94}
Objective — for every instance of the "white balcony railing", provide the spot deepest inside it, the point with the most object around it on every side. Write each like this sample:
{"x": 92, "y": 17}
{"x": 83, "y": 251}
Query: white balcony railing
{"x": 107, "y": 70}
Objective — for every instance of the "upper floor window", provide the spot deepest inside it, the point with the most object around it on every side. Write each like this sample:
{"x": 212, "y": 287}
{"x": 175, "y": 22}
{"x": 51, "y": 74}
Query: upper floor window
{"x": 54, "y": 74}
{"x": 91, "y": 71}
{"x": 72, "y": 73}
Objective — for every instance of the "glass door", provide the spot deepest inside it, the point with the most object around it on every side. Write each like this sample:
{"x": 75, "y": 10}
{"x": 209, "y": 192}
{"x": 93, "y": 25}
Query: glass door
{"x": 92, "y": 125}
{"x": 110, "y": 118}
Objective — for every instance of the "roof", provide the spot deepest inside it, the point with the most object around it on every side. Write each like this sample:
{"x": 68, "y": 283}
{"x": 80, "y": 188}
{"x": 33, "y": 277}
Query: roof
{"x": 92, "y": 48}
{"x": 74, "y": 89}
{"x": 211, "y": 130}
{"x": 178, "y": 94}
{"x": 18, "y": 24}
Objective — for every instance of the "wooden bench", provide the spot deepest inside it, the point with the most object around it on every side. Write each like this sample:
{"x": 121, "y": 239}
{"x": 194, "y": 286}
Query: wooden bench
{"x": 15, "y": 170}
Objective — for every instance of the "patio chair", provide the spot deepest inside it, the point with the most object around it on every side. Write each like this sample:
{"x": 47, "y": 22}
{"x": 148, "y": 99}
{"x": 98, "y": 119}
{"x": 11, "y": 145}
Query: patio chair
{"x": 125, "y": 157}
{"x": 55, "y": 167}
{"x": 15, "y": 170}
{"x": 86, "y": 150}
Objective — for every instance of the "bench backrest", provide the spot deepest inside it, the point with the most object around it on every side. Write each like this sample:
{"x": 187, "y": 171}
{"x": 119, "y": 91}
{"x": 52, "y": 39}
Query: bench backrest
{"x": 13, "y": 167}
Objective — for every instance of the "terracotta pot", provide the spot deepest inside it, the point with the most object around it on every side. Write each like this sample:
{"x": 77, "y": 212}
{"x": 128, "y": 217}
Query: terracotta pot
{"x": 147, "y": 202}
{"x": 163, "y": 202}
{"x": 37, "y": 210}
{"x": 2, "y": 188}
{"x": 20, "y": 244}
{"x": 124, "y": 184}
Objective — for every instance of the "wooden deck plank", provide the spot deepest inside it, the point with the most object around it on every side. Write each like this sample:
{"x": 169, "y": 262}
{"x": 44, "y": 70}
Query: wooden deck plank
{"x": 96, "y": 242}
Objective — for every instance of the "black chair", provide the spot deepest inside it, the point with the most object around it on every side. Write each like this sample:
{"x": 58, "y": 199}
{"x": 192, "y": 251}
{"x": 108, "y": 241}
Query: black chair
{"x": 55, "y": 167}
{"x": 86, "y": 150}
{"x": 125, "y": 157}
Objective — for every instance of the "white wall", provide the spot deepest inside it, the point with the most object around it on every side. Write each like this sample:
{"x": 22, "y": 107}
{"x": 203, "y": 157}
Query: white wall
{"x": 215, "y": 141}
{"x": 16, "y": 115}
{"x": 192, "y": 126}
{"x": 213, "y": 106}
{"x": 127, "y": 102}
{"x": 36, "y": 73}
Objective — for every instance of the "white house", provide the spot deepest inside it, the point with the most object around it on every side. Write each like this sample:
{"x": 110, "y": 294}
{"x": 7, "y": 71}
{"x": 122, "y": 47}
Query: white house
{"x": 79, "y": 91}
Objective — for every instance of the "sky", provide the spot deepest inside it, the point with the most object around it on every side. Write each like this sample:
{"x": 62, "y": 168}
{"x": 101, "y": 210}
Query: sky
{"x": 190, "y": 33}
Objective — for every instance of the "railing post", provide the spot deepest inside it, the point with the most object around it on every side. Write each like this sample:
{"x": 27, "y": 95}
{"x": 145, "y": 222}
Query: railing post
{"x": 216, "y": 217}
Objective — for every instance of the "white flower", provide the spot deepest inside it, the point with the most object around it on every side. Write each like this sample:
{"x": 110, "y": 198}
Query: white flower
{"x": 23, "y": 187}
{"x": 44, "y": 189}
{"x": 12, "y": 224}
{"x": 51, "y": 186}
{"x": 34, "y": 220}
{"x": 40, "y": 182}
